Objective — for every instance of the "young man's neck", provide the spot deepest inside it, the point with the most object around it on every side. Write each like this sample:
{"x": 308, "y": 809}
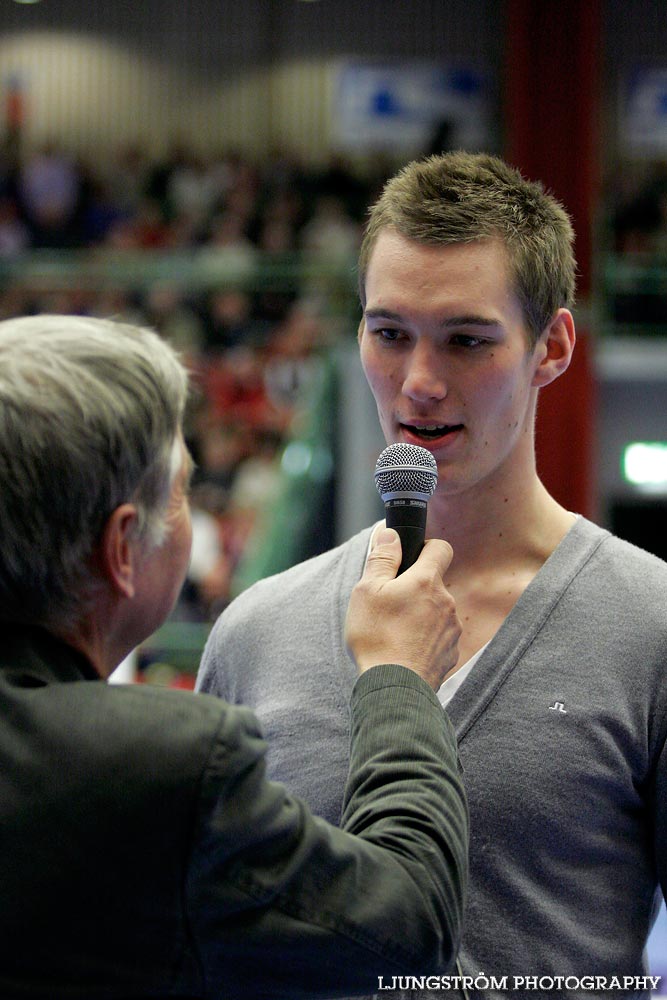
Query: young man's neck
{"x": 488, "y": 525}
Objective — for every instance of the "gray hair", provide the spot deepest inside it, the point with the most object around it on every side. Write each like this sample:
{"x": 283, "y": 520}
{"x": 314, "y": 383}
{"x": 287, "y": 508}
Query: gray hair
{"x": 461, "y": 197}
{"x": 89, "y": 413}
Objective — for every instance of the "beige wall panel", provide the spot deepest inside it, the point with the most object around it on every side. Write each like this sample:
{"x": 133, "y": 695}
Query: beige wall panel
{"x": 301, "y": 108}
{"x": 93, "y": 95}
{"x": 230, "y": 114}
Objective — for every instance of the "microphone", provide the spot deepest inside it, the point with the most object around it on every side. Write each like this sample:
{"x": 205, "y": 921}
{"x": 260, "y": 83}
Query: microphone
{"x": 406, "y": 476}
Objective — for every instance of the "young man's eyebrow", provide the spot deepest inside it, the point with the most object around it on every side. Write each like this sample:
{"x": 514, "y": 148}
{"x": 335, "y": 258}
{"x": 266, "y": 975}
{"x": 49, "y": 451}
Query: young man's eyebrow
{"x": 449, "y": 322}
{"x": 472, "y": 320}
{"x": 382, "y": 314}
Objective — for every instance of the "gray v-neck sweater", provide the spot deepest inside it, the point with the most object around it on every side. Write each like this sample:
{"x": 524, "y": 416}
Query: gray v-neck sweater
{"x": 561, "y": 727}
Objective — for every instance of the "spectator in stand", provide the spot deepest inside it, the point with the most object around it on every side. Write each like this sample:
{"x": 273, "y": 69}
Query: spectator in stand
{"x": 14, "y": 234}
{"x": 191, "y": 191}
{"x": 230, "y": 322}
{"x": 145, "y": 230}
{"x": 228, "y": 254}
{"x": 167, "y": 310}
{"x": 50, "y": 189}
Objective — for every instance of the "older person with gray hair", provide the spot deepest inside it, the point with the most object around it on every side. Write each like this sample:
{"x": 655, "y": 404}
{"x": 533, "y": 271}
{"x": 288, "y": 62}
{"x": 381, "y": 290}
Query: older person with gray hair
{"x": 143, "y": 853}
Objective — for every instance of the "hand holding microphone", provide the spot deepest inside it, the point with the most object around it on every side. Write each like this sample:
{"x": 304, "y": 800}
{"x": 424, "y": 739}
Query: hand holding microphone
{"x": 409, "y": 619}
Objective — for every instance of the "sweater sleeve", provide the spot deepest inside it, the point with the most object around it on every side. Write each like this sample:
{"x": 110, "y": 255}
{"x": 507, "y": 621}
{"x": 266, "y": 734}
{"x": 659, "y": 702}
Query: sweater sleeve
{"x": 660, "y": 832}
{"x": 281, "y": 904}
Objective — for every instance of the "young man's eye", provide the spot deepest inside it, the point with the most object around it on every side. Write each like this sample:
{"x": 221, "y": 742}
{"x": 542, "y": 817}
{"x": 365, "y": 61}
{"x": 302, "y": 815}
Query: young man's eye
{"x": 388, "y": 334}
{"x": 467, "y": 340}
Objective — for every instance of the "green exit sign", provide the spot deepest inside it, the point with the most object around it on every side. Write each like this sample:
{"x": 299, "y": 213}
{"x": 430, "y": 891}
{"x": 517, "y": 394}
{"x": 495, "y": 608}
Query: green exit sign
{"x": 644, "y": 464}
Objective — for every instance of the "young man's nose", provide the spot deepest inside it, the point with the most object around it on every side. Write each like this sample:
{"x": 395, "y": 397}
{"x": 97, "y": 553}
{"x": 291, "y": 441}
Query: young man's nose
{"x": 424, "y": 378}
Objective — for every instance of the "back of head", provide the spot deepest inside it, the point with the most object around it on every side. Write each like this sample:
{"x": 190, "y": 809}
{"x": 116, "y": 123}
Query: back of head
{"x": 89, "y": 412}
{"x": 464, "y": 197}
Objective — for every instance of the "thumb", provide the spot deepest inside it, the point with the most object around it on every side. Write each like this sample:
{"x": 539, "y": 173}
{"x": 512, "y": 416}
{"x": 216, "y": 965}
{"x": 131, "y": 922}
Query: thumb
{"x": 385, "y": 556}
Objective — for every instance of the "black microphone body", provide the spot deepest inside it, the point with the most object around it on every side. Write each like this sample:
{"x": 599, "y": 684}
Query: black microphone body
{"x": 406, "y": 476}
{"x": 408, "y": 517}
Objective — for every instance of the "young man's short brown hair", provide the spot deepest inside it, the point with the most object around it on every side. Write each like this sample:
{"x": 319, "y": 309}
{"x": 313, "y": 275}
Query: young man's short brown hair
{"x": 464, "y": 197}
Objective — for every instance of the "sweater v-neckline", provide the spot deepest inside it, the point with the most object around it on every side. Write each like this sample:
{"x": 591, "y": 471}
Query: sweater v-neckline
{"x": 510, "y": 643}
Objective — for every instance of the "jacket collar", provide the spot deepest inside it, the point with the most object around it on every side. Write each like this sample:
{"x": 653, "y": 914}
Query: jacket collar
{"x": 41, "y": 656}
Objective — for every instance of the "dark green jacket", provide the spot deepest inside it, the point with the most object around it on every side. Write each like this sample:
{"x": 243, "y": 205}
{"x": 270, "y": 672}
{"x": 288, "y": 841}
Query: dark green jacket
{"x": 144, "y": 854}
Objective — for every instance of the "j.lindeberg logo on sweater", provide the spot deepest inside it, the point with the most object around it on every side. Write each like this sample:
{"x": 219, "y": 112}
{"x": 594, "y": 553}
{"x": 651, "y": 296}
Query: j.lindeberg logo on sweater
{"x": 558, "y": 706}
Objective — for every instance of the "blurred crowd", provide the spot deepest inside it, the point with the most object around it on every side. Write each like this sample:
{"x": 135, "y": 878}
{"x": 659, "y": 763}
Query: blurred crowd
{"x": 275, "y": 246}
{"x": 52, "y": 200}
{"x": 250, "y": 343}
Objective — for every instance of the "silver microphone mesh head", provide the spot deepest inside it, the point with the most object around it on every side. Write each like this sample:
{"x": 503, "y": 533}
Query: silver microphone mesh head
{"x": 406, "y": 468}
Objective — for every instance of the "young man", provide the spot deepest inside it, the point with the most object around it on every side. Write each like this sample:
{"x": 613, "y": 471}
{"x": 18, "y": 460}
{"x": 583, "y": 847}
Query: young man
{"x": 559, "y": 694}
{"x": 143, "y": 853}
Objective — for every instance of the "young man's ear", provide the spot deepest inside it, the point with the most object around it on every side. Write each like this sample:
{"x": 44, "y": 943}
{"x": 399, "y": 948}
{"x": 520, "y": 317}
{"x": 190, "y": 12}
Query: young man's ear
{"x": 554, "y": 348}
{"x": 118, "y": 550}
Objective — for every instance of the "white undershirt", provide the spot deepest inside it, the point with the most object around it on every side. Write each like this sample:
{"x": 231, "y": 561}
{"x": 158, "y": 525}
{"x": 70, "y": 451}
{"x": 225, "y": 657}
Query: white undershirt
{"x": 450, "y": 686}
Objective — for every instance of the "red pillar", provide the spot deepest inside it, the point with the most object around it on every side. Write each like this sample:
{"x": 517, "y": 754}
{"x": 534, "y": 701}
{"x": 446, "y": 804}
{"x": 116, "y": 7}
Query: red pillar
{"x": 551, "y": 111}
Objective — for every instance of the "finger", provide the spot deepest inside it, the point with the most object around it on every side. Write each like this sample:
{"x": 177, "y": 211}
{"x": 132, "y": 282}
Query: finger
{"x": 436, "y": 555}
{"x": 385, "y": 556}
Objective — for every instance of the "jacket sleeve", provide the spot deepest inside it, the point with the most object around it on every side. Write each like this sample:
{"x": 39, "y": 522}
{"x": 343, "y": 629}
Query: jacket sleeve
{"x": 281, "y": 904}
